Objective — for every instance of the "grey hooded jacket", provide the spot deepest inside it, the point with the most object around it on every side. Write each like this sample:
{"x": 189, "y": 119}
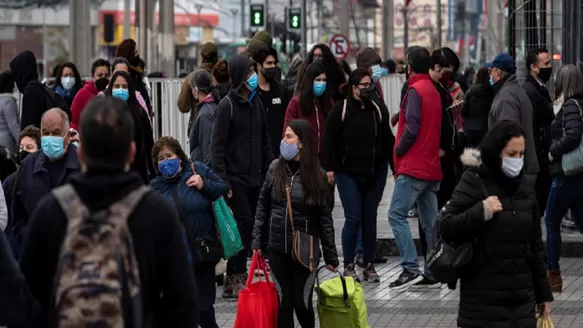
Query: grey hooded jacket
{"x": 9, "y": 122}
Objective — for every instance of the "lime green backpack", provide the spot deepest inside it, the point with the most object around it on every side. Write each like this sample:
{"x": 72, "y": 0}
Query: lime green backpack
{"x": 341, "y": 303}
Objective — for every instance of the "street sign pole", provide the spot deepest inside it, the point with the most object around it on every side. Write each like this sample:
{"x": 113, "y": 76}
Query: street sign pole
{"x": 340, "y": 46}
{"x": 304, "y": 29}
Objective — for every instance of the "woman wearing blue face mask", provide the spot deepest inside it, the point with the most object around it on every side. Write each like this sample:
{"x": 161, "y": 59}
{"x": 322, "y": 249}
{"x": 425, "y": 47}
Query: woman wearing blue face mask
{"x": 68, "y": 82}
{"x": 297, "y": 170}
{"x": 494, "y": 208}
{"x": 121, "y": 87}
{"x": 191, "y": 187}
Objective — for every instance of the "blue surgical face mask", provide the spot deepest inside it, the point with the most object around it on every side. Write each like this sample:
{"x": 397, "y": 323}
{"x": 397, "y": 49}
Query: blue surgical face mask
{"x": 169, "y": 167}
{"x": 384, "y": 71}
{"x": 53, "y": 146}
{"x": 376, "y": 73}
{"x": 252, "y": 82}
{"x": 319, "y": 87}
{"x": 288, "y": 151}
{"x": 512, "y": 166}
{"x": 68, "y": 82}
{"x": 492, "y": 81}
{"x": 122, "y": 94}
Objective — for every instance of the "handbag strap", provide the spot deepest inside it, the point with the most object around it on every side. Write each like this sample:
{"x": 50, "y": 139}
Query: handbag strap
{"x": 258, "y": 262}
{"x": 289, "y": 207}
{"x": 344, "y": 289}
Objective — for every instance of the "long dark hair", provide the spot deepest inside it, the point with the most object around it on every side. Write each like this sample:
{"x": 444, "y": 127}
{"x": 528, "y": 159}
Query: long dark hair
{"x": 78, "y": 81}
{"x": 307, "y": 98}
{"x": 313, "y": 180}
{"x": 334, "y": 73}
{"x": 133, "y": 103}
{"x": 495, "y": 141}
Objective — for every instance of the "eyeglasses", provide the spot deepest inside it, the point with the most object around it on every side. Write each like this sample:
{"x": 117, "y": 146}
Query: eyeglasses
{"x": 364, "y": 84}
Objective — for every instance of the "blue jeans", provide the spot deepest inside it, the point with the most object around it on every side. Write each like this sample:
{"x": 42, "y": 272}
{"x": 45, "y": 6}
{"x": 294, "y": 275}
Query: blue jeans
{"x": 566, "y": 193}
{"x": 360, "y": 211}
{"x": 407, "y": 192}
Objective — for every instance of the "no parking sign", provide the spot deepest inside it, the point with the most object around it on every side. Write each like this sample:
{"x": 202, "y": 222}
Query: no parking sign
{"x": 340, "y": 46}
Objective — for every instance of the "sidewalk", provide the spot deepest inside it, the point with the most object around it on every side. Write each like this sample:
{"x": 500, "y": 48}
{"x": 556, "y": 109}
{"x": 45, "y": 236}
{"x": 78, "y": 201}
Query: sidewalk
{"x": 432, "y": 308}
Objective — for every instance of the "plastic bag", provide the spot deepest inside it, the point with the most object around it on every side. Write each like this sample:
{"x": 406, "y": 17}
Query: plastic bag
{"x": 544, "y": 322}
{"x": 258, "y": 304}
{"x": 227, "y": 228}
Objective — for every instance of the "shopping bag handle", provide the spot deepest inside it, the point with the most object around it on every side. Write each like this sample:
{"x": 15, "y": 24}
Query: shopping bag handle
{"x": 344, "y": 289}
{"x": 258, "y": 262}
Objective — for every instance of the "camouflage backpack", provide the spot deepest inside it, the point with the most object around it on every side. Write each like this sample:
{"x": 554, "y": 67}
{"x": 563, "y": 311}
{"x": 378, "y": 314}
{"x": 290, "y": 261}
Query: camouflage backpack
{"x": 97, "y": 282}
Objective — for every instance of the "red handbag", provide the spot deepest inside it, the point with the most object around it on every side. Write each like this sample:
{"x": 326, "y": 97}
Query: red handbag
{"x": 258, "y": 304}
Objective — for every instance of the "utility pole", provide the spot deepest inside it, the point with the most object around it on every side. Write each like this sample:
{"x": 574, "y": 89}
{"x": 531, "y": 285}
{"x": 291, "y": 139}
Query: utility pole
{"x": 439, "y": 30}
{"x": 80, "y": 35}
{"x": 143, "y": 28}
{"x": 405, "y": 27}
{"x": 234, "y": 13}
{"x": 388, "y": 28}
{"x": 167, "y": 37}
{"x": 243, "y": 29}
{"x": 304, "y": 29}
{"x": 344, "y": 17}
{"x": 127, "y": 33}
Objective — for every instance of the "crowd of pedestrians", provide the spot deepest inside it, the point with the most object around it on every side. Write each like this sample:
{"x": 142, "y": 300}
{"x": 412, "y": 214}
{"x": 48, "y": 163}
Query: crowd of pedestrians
{"x": 481, "y": 158}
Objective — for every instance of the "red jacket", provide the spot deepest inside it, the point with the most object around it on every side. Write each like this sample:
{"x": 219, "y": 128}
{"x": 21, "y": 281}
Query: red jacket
{"x": 317, "y": 119}
{"x": 81, "y": 99}
{"x": 422, "y": 160}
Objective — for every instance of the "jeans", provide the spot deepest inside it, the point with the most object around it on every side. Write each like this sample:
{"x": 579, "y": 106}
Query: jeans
{"x": 360, "y": 211}
{"x": 205, "y": 280}
{"x": 292, "y": 278}
{"x": 407, "y": 192}
{"x": 243, "y": 203}
{"x": 566, "y": 193}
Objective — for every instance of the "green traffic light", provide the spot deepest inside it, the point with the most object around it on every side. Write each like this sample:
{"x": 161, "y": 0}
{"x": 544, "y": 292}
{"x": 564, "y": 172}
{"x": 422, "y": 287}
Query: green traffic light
{"x": 295, "y": 21}
{"x": 257, "y": 18}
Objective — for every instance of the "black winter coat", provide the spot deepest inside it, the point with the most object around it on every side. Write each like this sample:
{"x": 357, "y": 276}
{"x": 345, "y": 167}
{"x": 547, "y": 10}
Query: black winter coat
{"x": 569, "y": 118}
{"x": 316, "y": 221}
{"x": 507, "y": 275}
{"x": 476, "y": 108}
{"x": 543, "y": 116}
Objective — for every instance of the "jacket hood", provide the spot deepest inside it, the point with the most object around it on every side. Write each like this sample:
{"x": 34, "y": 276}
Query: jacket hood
{"x": 238, "y": 69}
{"x": 223, "y": 89}
{"x": 98, "y": 190}
{"x": 23, "y": 67}
{"x": 471, "y": 157}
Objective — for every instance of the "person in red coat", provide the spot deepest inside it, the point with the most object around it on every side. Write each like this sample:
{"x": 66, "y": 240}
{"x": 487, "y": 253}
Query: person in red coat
{"x": 417, "y": 166}
{"x": 100, "y": 71}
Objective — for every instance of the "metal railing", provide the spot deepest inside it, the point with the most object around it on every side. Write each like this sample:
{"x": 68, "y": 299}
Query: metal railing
{"x": 169, "y": 121}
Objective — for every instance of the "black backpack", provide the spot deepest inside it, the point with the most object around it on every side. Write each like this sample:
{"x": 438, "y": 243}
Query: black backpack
{"x": 53, "y": 99}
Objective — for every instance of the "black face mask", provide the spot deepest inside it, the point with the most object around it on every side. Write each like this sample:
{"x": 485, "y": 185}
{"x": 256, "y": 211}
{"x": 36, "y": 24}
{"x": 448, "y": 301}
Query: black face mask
{"x": 318, "y": 60}
{"x": 21, "y": 156}
{"x": 545, "y": 74}
{"x": 101, "y": 83}
{"x": 367, "y": 94}
{"x": 269, "y": 73}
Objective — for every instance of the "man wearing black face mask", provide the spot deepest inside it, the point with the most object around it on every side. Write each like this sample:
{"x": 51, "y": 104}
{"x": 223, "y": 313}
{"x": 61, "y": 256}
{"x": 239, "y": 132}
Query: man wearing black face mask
{"x": 539, "y": 65}
{"x": 273, "y": 94}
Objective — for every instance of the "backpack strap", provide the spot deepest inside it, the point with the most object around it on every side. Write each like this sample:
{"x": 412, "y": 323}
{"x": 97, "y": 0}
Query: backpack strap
{"x": 70, "y": 202}
{"x": 230, "y": 103}
{"x": 375, "y": 105}
{"x": 343, "y": 110}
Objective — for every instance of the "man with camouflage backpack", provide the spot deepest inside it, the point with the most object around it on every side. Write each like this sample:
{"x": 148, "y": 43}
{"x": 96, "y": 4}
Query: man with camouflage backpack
{"x": 105, "y": 242}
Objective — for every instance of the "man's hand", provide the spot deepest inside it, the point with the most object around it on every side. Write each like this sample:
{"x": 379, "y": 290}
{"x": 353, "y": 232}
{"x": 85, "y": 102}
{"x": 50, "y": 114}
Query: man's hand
{"x": 230, "y": 193}
{"x": 195, "y": 181}
{"x": 551, "y": 158}
{"x": 330, "y": 176}
{"x": 331, "y": 268}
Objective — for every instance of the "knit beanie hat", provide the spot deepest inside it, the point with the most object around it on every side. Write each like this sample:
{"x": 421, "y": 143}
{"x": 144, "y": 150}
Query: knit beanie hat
{"x": 367, "y": 57}
{"x": 262, "y": 36}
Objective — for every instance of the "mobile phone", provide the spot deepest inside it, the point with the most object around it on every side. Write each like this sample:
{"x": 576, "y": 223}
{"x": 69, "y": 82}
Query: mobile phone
{"x": 455, "y": 104}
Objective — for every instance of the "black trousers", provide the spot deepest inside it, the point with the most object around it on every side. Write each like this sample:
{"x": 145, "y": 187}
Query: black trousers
{"x": 292, "y": 280}
{"x": 205, "y": 279}
{"x": 243, "y": 203}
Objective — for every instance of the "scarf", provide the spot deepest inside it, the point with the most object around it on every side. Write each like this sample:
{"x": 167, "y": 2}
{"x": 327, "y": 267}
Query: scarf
{"x": 558, "y": 104}
{"x": 67, "y": 94}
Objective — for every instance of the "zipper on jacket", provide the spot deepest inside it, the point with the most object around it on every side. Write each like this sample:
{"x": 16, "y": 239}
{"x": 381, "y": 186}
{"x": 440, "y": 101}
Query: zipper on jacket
{"x": 286, "y": 209}
{"x": 318, "y": 124}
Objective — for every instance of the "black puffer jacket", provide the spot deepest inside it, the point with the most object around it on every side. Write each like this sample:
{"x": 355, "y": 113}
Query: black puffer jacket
{"x": 314, "y": 221}
{"x": 507, "y": 275}
{"x": 564, "y": 144}
{"x": 476, "y": 107}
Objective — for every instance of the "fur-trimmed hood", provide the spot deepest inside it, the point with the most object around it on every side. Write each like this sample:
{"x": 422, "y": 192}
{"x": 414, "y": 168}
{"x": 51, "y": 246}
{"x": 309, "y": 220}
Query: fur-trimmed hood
{"x": 471, "y": 157}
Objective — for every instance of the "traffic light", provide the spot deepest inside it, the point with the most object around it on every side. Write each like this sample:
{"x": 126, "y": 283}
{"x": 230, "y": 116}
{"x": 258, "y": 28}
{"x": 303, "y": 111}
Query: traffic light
{"x": 295, "y": 18}
{"x": 257, "y": 15}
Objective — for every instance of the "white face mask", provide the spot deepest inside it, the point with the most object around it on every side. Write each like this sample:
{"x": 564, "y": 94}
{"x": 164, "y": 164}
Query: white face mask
{"x": 512, "y": 166}
{"x": 67, "y": 82}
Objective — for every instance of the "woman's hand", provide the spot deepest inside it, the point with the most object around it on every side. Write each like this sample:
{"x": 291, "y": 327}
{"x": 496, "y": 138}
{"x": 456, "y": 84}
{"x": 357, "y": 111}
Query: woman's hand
{"x": 257, "y": 251}
{"x": 492, "y": 205}
{"x": 330, "y": 176}
{"x": 195, "y": 181}
{"x": 544, "y": 309}
{"x": 331, "y": 268}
